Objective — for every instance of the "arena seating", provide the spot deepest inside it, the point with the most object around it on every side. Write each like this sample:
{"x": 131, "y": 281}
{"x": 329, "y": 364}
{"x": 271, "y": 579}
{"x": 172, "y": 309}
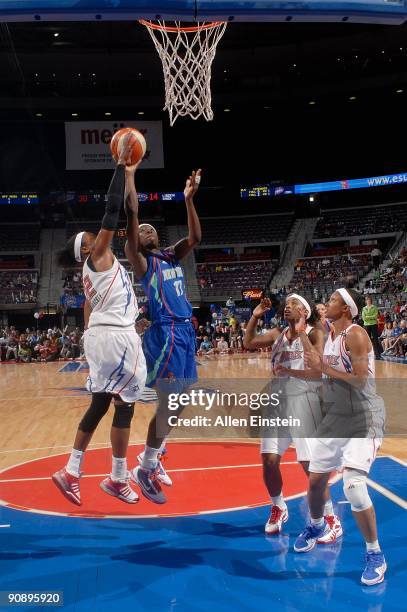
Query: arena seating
{"x": 220, "y": 278}
{"x": 319, "y": 276}
{"x": 20, "y": 236}
{"x": 18, "y": 287}
{"x": 362, "y": 221}
{"x": 244, "y": 230}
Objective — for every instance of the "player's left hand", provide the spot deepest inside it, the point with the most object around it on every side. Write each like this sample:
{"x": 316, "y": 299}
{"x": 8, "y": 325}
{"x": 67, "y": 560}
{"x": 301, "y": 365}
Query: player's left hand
{"x": 281, "y": 371}
{"x": 130, "y": 170}
{"x": 301, "y": 325}
{"x": 192, "y": 184}
{"x": 312, "y": 360}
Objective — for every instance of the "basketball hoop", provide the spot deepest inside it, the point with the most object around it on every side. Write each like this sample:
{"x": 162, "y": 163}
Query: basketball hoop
{"x": 186, "y": 54}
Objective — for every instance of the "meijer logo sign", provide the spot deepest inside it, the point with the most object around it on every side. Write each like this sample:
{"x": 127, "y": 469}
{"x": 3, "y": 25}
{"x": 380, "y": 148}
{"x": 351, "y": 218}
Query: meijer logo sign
{"x": 87, "y": 143}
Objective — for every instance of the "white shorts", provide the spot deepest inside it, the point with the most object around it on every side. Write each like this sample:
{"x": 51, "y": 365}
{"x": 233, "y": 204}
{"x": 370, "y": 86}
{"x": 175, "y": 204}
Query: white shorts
{"x": 307, "y": 409}
{"x": 278, "y": 446}
{"x": 331, "y": 454}
{"x": 116, "y": 362}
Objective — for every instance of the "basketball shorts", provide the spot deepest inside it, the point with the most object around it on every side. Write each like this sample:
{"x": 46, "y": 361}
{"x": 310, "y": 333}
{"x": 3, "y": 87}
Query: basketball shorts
{"x": 306, "y": 409}
{"x": 116, "y": 362}
{"x": 329, "y": 454}
{"x": 169, "y": 349}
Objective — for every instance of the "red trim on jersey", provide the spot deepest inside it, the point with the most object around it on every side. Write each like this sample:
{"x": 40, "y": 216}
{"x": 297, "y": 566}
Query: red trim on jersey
{"x": 170, "y": 351}
{"x": 110, "y": 286}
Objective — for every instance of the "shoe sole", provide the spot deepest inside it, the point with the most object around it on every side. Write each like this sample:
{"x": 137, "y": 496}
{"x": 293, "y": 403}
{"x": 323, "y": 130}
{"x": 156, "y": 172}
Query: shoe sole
{"x": 67, "y": 494}
{"x": 114, "y": 494}
{"x": 372, "y": 583}
{"x": 304, "y": 550}
{"x": 146, "y": 495}
{"x": 279, "y": 530}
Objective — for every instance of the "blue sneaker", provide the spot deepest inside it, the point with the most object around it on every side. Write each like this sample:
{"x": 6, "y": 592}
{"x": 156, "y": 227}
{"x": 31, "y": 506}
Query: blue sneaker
{"x": 375, "y": 568}
{"x": 162, "y": 475}
{"x": 148, "y": 483}
{"x": 308, "y": 538}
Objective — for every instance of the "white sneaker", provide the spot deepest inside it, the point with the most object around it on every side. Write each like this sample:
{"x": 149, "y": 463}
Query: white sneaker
{"x": 335, "y": 532}
{"x": 278, "y": 516}
{"x": 162, "y": 475}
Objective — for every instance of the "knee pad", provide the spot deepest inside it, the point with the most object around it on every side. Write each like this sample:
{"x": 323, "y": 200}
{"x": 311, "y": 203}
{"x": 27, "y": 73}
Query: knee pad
{"x": 123, "y": 414}
{"x": 99, "y": 406}
{"x": 355, "y": 489}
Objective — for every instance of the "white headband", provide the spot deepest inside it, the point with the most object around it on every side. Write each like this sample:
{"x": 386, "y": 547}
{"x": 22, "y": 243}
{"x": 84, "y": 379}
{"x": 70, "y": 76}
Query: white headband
{"x": 77, "y": 246}
{"x": 303, "y": 302}
{"x": 146, "y": 225}
{"x": 348, "y": 299}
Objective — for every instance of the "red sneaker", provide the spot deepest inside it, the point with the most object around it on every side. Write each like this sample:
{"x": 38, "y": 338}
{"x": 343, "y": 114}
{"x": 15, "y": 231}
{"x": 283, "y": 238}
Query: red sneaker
{"x": 68, "y": 485}
{"x": 278, "y": 516}
{"x": 120, "y": 489}
{"x": 335, "y": 531}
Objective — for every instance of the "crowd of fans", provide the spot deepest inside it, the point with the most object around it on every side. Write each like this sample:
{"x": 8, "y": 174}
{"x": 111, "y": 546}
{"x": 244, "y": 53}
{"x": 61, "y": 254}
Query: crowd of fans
{"x": 361, "y": 221}
{"x": 18, "y": 287}
{"x": 42, "y": 346}
{"x": 73, "y": 283}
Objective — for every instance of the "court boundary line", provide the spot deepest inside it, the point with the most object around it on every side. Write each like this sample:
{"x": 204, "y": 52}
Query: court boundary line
{"x": 399, "y": 501}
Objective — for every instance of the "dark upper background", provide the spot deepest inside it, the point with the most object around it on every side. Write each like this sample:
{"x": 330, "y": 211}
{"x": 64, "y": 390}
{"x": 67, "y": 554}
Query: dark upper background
{"x": 266, "y": 74}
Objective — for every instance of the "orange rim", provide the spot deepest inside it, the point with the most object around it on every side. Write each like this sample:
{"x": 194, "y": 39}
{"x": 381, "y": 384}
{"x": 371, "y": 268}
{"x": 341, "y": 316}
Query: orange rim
{"x": 198, "y": 28}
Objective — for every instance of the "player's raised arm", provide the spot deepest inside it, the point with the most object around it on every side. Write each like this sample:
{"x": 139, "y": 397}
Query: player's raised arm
{"x": 251, "y": 340}
{"x": 132, "y": 246}
{"x": 101, "y": 254}
{"x": 186, "y": 245}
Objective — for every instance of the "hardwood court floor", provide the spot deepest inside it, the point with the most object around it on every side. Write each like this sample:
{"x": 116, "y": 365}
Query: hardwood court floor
{"x": 40, "y": 406}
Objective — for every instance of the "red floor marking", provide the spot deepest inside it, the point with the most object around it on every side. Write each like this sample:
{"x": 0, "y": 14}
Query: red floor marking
{"x": 192, "y": 492}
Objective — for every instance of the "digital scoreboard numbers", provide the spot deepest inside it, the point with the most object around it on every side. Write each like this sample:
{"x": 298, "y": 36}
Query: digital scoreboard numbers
{"x": 256, "y": 192}
{"x": 24, "y": 199}
{"x": 150, "y": 197}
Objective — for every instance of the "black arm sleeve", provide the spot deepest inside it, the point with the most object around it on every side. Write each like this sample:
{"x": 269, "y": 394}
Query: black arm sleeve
{"x": 115, "y": 197}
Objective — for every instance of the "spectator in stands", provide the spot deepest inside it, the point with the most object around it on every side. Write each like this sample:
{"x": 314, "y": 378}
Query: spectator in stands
{"x": 370, "y": 315}
{"x": 24, "y": 350}
{"x": 67, "y": 348}
{"x": 11, "y": 347}
{"x": 200, "y": 336}
{"x": 206, "y": 346}
{"x": 230, "y": 305}
{"x": 385, "y": 336}
{"x": 223, "y": 346}
{"x": 376, "y": 256}
{"x": 47, "y": 351}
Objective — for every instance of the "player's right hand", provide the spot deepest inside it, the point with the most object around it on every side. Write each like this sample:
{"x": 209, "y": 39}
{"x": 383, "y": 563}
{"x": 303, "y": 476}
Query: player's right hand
{"x": 263, "y": 307}
{"x": 125, "y": 148}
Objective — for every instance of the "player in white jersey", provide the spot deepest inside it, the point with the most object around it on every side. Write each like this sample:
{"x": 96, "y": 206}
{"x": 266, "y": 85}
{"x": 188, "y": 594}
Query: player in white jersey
{"x": 298, "y": 399}
{"x": 117, "y": 368}
{"x": 350, "y": 433}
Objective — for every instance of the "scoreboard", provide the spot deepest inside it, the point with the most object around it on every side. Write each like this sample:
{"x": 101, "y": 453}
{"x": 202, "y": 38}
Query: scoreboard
{"x": 26, "y": 199}
{"x": 144, "y": 197}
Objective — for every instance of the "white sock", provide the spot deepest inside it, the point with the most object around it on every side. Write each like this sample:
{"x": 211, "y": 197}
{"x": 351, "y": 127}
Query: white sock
{"x": 150, "y": 458}
{"x": 278, "y": 500}
{"x": 328, "y": 508}
{"x": 73, "y": 466}
{"x": 164, "y": 442}
{"x": 319, "y": 522}
{"x": 373, "y": 546}
{"x": 119, "y": 468}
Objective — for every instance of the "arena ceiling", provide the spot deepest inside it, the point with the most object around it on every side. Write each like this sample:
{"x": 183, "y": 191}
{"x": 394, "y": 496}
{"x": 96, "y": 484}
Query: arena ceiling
{"x": 95, "y": 68}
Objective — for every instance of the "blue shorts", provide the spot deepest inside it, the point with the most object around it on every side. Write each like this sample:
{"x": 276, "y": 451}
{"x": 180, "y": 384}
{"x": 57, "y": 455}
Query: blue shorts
{"x": 169, "y": 349}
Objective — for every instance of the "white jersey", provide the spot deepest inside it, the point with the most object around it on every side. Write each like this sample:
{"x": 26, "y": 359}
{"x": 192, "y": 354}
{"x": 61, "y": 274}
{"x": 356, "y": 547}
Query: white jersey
{"x": 291, "y": 356}
{"x": 110, "y": 295}
{"x": 363, "y": 405}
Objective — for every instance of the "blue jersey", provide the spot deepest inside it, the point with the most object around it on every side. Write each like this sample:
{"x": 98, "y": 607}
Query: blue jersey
{"x": 164, "y": 286}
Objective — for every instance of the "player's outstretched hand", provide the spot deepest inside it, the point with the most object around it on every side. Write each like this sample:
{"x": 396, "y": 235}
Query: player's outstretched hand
{"x": 126, "y": 148}
{"x": 192, "y": 184}
{"x": 263, "y": 307}
{"x": 131, "y": 170}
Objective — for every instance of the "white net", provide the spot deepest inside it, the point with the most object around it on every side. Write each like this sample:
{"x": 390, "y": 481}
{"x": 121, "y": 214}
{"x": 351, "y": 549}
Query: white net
{"x": 187, "y": 55}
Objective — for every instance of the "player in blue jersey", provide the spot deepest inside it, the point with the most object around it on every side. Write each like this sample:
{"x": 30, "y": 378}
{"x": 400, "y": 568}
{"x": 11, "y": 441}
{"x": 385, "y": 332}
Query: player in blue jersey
{"x": 169, "y": 343}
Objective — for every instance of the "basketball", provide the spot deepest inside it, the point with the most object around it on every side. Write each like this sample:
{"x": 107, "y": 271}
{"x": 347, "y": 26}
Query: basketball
{"x": 139, "y": 145}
